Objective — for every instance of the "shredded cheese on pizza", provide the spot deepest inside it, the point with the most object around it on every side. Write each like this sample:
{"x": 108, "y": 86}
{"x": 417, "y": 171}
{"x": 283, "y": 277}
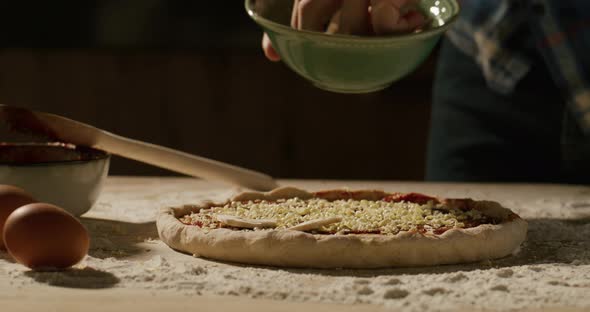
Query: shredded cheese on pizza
{"x": 357, "y": 216}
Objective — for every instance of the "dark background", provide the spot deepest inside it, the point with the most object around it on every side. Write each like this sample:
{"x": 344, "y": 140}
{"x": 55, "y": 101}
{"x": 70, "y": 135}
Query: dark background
{"x": 190, "y": 75}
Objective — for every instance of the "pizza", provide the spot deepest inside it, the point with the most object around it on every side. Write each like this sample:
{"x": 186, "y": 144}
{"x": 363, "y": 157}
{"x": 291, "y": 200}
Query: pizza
{"x": 290, "y": 227}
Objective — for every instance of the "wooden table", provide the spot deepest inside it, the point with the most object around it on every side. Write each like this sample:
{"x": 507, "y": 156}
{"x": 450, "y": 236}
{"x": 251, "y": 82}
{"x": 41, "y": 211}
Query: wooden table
{"x": 123, "y": 219}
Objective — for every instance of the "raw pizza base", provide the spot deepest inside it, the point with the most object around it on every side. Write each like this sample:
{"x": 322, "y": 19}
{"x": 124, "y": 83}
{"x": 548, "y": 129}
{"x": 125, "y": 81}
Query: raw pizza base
{"x": 290, "y": 248}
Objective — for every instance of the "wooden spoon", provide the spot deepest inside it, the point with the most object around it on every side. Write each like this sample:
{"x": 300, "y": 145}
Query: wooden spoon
{"x": 67, "y": 130}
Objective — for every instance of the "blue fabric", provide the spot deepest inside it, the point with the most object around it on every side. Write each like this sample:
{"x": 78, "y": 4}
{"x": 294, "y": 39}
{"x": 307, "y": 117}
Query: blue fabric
{"x": 497, "y": 34}
{"x": 478, "y": 134}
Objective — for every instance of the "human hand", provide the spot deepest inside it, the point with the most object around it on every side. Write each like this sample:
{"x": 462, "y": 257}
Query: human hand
{"x": 352, "y": 17}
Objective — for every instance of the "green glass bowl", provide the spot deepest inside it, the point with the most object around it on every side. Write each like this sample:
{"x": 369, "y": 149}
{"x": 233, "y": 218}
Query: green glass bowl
{"x": 351, "y": 64}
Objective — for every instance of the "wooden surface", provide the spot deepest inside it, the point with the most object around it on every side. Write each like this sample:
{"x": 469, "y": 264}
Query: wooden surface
{"x": 114, "y": 208}
{"x": 75, "y": 300}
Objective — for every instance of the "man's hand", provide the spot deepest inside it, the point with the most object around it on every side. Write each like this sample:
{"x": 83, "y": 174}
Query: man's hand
{"x": 352, "y": 17}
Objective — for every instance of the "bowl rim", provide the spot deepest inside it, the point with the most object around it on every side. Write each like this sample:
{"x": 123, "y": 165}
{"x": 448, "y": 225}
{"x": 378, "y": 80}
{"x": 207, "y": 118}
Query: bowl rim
{"x": 361, "y": 39}
{"x": 100, "y": 154}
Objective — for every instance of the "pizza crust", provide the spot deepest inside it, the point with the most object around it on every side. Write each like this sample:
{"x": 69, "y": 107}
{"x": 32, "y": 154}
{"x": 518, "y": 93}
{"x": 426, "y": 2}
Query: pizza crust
{"x": 290, "y": 248}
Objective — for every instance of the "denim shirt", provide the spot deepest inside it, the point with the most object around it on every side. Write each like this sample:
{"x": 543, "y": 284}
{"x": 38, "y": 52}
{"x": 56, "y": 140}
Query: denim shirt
{"x": 497, "y": 33}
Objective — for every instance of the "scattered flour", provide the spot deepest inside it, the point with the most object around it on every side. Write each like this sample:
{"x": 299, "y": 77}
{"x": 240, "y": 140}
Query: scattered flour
{"x": 551, "y": 269}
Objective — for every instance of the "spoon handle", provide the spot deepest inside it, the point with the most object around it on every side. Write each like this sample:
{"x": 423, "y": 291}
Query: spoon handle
{"x": 55, "y": 127}
{"x": 182, "y": 162}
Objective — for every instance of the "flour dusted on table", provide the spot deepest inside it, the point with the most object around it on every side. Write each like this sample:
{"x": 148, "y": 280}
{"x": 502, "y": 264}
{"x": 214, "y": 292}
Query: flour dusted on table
{"x": 552, "y": 268}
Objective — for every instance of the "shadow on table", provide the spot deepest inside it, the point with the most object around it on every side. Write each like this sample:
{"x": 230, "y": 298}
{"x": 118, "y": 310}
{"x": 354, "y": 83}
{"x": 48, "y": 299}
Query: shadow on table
{"x": 118, "y": 239}
{"x": 548, "y": 241}
{"x": 86, "y": 278}
{"x": 5, "y": 256}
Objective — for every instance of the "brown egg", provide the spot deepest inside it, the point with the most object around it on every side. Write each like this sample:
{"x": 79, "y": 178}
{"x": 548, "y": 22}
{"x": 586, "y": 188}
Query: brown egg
{"x": 43, "y": 236}
{"x": 11, "y": 197}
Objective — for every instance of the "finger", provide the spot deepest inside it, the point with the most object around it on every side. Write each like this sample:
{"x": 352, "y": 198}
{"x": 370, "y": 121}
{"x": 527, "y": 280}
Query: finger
{"x": 385, "y": 16}
{"x": 334, "y": 25}
{"x": 404, "y": 5}
{"x": 268, "y": 49}
{"x": 294, "y": 14}
{"x": 315, "y": 15}
{"x": 415, "y": 19}
{"x": 394, "y": 16}
{"x": 354, "y": 17}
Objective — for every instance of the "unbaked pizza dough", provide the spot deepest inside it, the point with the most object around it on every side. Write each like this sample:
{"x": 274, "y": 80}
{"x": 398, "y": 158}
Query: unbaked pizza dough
{"x": 290, "y": 227}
